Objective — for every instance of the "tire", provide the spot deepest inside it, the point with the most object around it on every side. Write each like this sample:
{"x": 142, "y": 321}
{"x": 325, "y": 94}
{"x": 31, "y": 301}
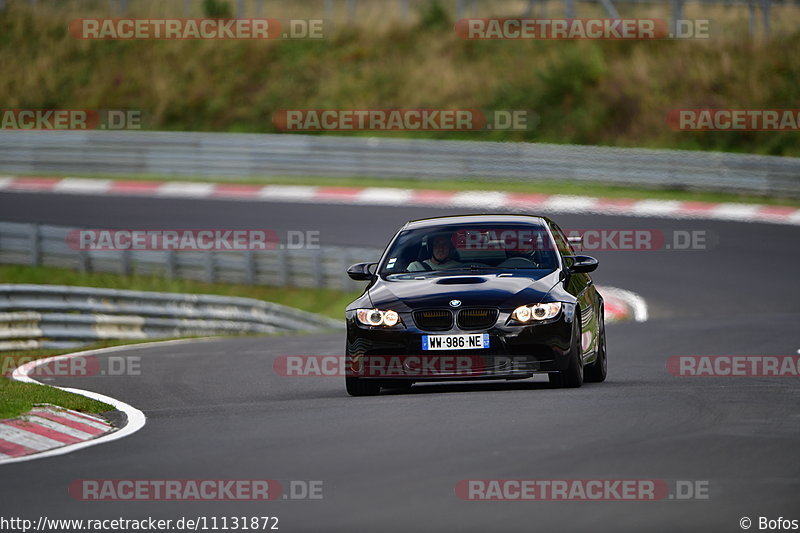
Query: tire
{"x": 361, "y": 387}
{"x": 358, "y": 386}
{"x": 572, "y": 377}
{"x": 596, "y": 372}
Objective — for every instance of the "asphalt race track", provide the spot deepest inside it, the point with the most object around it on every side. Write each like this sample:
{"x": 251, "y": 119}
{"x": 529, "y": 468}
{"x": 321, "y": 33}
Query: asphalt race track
{"x": 216, "y": 409}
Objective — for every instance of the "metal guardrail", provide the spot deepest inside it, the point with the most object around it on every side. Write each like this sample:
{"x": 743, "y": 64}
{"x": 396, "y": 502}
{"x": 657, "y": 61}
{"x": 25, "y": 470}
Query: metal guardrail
{"x": 324, "y": 267}
{"x": 228, "y": 155}
{"x": 57, "y": 317}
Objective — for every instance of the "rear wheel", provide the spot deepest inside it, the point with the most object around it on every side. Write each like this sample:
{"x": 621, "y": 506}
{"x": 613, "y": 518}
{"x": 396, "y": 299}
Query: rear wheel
{"x": 572, "y": 377}
{"x": 596, "y": 372}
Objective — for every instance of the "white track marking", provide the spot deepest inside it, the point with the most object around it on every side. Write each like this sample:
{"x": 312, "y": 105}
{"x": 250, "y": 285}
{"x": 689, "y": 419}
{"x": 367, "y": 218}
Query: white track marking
{"x": 736, "y": 211}
{"x": 565, "y": 203}
{"x": 136, "y": 419}
{"x": 287, "y": 192}
{"x": 55, "y": 426}
{"x": 185, "y": 189}
{"x": 487, "y": 199}
{"x": 83, "y": 186}
{"x": 656, "y": 207}
{"x": 671, "y": 209}
{"x": 633, "y": 300}
{"x": 385, "y": 196}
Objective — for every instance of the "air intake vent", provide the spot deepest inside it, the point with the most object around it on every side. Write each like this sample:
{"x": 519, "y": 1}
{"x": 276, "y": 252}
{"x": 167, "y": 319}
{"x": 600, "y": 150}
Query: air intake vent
{"x": 434, "y": 319}
{"x": 460, "y": 280}
{"x": 477, "y": 318}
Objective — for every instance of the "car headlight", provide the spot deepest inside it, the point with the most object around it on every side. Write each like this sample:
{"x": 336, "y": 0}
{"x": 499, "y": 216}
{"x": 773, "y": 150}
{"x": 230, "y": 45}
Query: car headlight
{"x": 527, "y": 313}
{"x": 377, "y": 317}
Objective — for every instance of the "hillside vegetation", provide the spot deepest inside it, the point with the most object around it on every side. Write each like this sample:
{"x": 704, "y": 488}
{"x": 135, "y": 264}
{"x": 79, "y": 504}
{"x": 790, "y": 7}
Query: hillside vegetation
{"x": 586, "y": 92}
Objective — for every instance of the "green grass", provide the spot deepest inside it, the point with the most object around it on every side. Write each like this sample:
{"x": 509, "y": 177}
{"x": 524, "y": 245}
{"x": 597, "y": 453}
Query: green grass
{"x": 610, "y": 93}
{"x": 17, "y": 398}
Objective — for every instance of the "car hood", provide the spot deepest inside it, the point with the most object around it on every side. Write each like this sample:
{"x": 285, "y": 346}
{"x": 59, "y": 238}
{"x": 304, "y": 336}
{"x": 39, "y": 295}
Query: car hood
{"x": 491, "y": 290}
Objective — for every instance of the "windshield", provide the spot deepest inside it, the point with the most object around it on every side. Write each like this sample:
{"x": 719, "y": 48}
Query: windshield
{"x": 474, "y": 247}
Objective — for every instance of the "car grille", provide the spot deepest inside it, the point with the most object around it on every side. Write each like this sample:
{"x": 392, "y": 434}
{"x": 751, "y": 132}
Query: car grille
{"x": 434, "y": 319}
{"x": 477, "y": 318}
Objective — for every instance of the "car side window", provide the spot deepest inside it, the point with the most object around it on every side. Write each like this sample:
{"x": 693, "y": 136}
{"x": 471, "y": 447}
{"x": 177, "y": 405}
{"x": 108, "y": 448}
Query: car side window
{"x": 561, "y": 241}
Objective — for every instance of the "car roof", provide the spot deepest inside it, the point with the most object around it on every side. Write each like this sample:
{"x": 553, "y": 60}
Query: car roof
{"x": 472, "y": 219}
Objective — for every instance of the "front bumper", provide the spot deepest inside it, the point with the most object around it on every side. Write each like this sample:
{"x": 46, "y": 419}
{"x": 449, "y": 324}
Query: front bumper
{"x": 515, "y": 351}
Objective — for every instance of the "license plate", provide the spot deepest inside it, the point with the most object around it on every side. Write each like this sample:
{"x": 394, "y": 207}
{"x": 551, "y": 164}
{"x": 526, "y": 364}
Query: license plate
{"x": 455, "y": 342}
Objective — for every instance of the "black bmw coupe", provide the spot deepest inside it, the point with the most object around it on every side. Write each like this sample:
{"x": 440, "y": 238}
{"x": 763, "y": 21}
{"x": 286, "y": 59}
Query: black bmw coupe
{"x": 475, "y": 297}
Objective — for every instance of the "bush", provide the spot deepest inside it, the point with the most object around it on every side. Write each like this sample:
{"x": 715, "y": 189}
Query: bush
{"x": 217, "y": 9}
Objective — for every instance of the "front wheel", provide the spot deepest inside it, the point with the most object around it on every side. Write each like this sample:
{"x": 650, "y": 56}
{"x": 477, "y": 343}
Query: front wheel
{"x": 361, "y": 387}
{"x": 572, "y": 377}
{"x": 596, "y": 372}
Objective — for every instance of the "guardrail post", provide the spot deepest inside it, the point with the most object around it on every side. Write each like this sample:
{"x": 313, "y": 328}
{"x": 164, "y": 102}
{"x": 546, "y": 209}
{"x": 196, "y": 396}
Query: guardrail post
{"x": 459, "y": 9}
{"x": 83, "y": 259}
{"x": 610, "y": 9}
{"x": 677, "y": 14}
{"x": 210, "y": 267}
{"x": 36, "y": 251}
{"x": 529, "y": 8}
{"x": 319, "y": 276}
{"x": 172, "y": 270}
{"x": 569, "y": 9}
{"x": 249, "y": 267}
{"x": 343, "y": 264}
{"x": 283, "y": 267}
{"x": 125, "y": 262}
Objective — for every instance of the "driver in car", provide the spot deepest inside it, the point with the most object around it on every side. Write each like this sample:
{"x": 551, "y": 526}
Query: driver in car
{"x": 441, "y": 248}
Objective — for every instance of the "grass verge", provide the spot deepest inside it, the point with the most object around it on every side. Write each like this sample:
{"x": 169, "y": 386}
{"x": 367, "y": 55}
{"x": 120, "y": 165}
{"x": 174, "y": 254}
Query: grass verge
{"x": 18, "y": 398}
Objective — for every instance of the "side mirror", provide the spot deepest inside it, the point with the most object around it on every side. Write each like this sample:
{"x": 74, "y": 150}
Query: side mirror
{"x": 580, "y": 264}
{"x": 361, "y": 272}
